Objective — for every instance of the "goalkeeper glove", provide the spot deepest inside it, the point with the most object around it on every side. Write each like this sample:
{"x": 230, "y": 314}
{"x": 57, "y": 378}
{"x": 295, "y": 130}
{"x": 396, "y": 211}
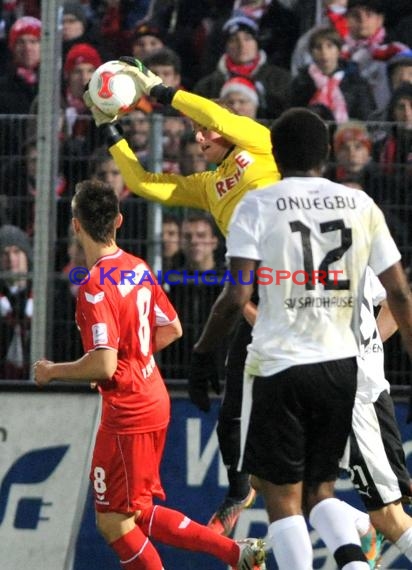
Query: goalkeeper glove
{"x": 99, "y": 117}
{"x": 203, "y": 371}
{"x": 145, "y": 78}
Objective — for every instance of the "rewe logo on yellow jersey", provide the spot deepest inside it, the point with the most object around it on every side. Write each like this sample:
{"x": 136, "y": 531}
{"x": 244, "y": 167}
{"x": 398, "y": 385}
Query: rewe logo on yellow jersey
{"x": 242, "y": 160}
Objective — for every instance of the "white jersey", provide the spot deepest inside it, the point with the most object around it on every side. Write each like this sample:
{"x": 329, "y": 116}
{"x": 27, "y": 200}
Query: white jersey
{"x": 323, "y": 235}
{"x": 371, "y": 372}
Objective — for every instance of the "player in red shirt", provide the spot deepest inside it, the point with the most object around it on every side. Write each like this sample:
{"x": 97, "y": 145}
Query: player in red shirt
{"x": 124, "y": 317}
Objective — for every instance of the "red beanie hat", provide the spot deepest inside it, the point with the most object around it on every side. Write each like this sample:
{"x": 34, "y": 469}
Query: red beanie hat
{"x": 81, "y": 53}
{"x": 242, "y": 85}
{"x": 25, "y": 25}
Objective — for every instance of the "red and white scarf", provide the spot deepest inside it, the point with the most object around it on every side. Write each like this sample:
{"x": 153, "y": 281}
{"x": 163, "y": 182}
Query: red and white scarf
{"x": 29, "y": 76}
{"x": 374, "y": 45}
{"x": 229, "y": 68}
{"x": 328, "y": 92}
{"x": 369, "y": 43}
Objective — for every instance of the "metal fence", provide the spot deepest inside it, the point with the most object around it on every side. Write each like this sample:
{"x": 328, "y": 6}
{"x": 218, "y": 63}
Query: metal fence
{"x": 80, "y": 153}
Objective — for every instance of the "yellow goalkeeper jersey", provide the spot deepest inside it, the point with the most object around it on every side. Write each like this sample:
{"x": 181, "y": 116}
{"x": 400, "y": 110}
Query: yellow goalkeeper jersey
{"x": 249, "y": 166}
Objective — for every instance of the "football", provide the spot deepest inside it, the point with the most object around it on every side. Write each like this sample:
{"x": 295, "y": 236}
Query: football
{"x": 112, "y": 90}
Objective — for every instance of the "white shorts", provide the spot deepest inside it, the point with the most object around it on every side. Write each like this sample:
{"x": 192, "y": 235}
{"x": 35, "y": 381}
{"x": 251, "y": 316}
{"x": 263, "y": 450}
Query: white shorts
{"x": 375, "y": 454}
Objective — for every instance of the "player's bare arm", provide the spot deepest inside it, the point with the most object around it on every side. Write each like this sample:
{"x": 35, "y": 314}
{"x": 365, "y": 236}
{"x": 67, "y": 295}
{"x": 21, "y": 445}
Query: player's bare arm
{"x": 250, "y": 312}
{"x": 228, "y": 305}
{"x": 399, "y": 298}
{"x": 166, "y": 334}
{"x": 387, "y": 325}
{"x": 94, "y": 366}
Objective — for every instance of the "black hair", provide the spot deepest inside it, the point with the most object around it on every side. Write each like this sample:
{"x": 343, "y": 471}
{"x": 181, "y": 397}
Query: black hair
{"x": 96, "y": 206}
{"x": 200, "y": 216}
{"x": 377, "y": 6}
{"x": 403, "y": 91}
{"x": 169, "y": 218}
{"x": 100, "y": 155}
{"x": 323, "y": 33}
{"x": 164, "y": 56}
{"x": 300, "y": 140}
{"x": 322, "y": 110}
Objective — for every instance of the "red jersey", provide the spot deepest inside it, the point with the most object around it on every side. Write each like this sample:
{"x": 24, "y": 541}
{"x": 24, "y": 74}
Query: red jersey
{"x": 117, "y": 309}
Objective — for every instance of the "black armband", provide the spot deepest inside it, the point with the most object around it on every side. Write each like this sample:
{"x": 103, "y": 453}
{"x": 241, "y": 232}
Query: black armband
{"x": 163, "y": 94}
{"x": 112, "y": 133}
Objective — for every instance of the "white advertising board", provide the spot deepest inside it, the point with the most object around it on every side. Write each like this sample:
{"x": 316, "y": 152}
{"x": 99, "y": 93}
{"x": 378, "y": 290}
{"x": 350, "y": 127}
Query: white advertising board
{"x": 45, "y": 446}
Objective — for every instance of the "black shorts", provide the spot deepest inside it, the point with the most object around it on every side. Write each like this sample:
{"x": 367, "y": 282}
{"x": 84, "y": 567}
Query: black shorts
{"x": 376, "y": 457}
{"x": 295, "y": 424}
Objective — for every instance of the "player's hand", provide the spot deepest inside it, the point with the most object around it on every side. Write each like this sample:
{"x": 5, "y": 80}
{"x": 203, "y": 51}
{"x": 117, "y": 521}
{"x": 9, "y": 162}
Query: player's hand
{"x": 42, "y": 372}
{"x": 99, "y": 117}
{"x": 203, "y": 372}
{"x": 145, "y": 78}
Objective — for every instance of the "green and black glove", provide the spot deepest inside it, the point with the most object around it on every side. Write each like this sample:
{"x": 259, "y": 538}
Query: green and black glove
{"x": 150, "y": 83}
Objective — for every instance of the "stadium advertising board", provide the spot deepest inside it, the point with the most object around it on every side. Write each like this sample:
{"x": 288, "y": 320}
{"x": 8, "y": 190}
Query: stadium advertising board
{"x": 195, "y": 481}
{"x": 45, "y": 446}
{"x": 46, "y": 522}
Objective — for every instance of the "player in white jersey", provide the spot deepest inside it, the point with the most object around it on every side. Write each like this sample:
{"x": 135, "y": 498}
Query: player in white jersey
{"x": 375, "y": 453}
{"x": 316, "y": 239}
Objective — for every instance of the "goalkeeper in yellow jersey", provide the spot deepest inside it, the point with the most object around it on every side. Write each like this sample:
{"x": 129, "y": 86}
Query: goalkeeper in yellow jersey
{"x": 242, "y": 150}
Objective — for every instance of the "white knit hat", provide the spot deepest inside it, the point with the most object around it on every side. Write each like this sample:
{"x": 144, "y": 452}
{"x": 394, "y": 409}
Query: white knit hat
{"x": 242, "y": 85}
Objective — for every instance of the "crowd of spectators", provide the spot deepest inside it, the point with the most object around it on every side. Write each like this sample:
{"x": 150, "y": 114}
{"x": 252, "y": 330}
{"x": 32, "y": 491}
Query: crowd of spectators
{"x": 348, "y": 60}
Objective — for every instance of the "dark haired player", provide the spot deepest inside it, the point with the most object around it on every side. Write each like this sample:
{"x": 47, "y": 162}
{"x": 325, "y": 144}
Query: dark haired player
{"x": 301, "y": 370}
{"x": 122, "y": 323}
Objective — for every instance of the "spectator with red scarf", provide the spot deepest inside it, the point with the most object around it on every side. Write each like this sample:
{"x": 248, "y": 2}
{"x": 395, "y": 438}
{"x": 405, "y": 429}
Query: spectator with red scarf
{"x": 80, "y": 63}
{"x": 19, "y": 85}
{"x": 396, "y": 152}
{"x": 243, "y": 58}
{"x": 330, "y": 81}
{"x": 367, "y": 45}
{"x": 395, "y": 173}
{"x": 333, "y": 16}
{"x": 80, "y": 140}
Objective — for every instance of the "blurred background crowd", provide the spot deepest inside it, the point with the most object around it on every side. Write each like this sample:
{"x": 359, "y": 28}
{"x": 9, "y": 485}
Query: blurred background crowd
{"x": 348, "y": 60}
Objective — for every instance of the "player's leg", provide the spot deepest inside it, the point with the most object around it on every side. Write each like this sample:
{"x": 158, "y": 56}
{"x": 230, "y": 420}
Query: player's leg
{"x": 288, "y": 533}
{"x": 361, "y": 518}
{"x": 290, "y": 421}
{"x": 133, "y": 548}
{"x": 329, "y": 395}
{"x": 240, "y": 494}
{"x": 397, "y": 526}
{"x": 176, "y": 529}
{"x": 371, "y": 539}
{"x": 125, "y": 477}
{"x": 337, "y": 530}
{"x": 263, "y": 432}
{"x": 378, "y": 469}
